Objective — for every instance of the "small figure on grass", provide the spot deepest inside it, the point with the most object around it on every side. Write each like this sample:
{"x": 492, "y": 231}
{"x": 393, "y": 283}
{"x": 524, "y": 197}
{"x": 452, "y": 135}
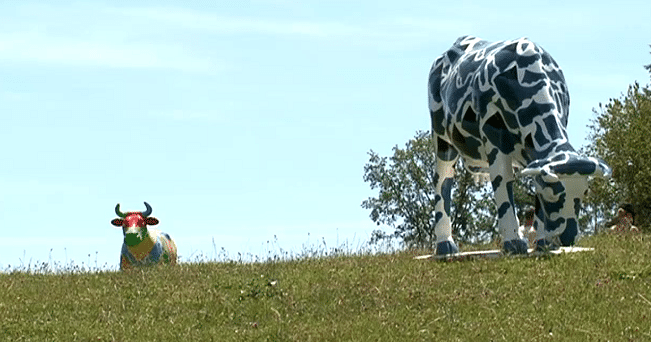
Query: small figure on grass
{"x": 623, "y": 222}
{"x": 526, "y": 229}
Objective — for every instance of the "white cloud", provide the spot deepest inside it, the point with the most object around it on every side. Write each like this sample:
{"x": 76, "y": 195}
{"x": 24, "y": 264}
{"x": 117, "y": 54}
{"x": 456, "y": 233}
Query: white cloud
{"x": 17, "y": 188}
{"x": 208, "y": 22}
{"x": 185, "y": 115}
{"x": 382, "y": 32}
{"x": 175, "y": 38}
{"x": 14, "y": 96}
{"x": 45, "y": 241}
{"x": 41, "y": 47}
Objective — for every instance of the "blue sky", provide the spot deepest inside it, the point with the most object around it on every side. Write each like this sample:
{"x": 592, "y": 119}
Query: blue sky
{"x": 244, "y": 121}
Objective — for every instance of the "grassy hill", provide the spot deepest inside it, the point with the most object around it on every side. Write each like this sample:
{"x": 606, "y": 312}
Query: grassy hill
{"x": 600, "y": 295}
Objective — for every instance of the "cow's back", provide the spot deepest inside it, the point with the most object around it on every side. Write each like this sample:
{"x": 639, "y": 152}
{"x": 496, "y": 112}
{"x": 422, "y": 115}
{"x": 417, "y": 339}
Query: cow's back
{"x": 511, "y": 94}
{"x": 163, "y": 251}
{"x": 169, "y": 246}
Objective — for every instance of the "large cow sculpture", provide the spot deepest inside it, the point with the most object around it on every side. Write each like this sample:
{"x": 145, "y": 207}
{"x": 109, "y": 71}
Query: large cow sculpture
{"x": 143, "y": 246}
{"x": 503, "y": 105}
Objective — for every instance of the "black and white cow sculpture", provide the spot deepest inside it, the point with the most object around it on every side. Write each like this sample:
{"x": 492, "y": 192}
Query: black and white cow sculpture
{"x": 500, "y": 105}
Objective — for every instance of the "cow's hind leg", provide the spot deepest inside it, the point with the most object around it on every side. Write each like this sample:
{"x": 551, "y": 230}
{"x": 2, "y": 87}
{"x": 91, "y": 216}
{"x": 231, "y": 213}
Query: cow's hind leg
{"x": 542, "y": 243}
{"x": 501, "y": 173}
{"x": 446, "y": 157}
{"x": 169, "y": 250}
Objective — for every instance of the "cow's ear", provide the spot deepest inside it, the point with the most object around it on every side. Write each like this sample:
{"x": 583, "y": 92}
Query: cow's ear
{"x": 151, "y": 221}
{"x": 530, "y": 172}
{"x": 534, "y": 168}
{"x": 543, "y": 171}
{"x": 583, "y": 166}
{"x": 603, "y": 170}
{"x": 117, "y": 222}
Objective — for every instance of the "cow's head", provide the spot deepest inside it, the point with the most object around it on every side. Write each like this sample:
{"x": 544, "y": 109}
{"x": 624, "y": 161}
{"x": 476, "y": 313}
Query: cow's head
{"x": 134, "y": 224}
{"x": 561, "y": 183}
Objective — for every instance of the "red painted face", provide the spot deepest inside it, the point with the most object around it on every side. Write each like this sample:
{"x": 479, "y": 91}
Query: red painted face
{"x": 134, "y": 227}
{"x": 134, "y": 219}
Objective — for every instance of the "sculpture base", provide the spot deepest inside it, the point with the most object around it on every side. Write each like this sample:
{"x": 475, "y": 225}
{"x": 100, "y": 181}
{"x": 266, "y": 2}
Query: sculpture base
{"x": 496, "y": 253}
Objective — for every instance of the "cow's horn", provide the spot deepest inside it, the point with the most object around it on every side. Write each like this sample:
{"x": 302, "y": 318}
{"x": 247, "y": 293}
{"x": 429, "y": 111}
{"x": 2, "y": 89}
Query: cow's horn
{"x": 118, "y": 212}
{"x": 148, "y": 211}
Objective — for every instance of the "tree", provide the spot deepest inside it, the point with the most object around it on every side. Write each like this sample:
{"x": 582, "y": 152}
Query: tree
{"x": 406, "y": 197}
{"x": 648, "y": 67}
{"x": 473, "y": 210}
{"x": 406, "y": 191}
{"x": 621, "y": 135}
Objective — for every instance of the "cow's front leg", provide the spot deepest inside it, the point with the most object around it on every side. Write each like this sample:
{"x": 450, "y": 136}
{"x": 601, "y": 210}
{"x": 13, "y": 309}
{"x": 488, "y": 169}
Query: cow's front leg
{"x": 124, "y": 263}
{"x": 444, "y": 178}
{"x": 501, "y": 173}
{"x": 541, "y": 243}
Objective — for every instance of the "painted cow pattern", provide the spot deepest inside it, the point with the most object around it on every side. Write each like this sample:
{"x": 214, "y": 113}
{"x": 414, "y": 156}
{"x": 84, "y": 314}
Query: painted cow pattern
{"x": 500, "y": 105}
{"x": 143, "y": 246}
{"x": 162, "y": 251}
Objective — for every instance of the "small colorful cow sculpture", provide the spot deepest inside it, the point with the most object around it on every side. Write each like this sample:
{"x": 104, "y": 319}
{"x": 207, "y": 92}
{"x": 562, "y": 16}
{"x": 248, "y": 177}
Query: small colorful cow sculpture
{"x": 500, "y": 105}
{"x": 143, "y": 246}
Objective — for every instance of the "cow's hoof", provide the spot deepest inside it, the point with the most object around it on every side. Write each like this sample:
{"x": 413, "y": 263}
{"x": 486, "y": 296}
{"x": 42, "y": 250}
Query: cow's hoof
{"x": 446, "y": 247}
{"x": 516, "y": 246}
{"x": 568, "y": 236}
{"x": 544, "y": 246}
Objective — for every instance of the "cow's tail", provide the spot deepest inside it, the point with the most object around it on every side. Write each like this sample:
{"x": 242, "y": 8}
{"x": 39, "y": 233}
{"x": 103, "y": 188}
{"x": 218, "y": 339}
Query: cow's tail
{"x": 438, "y": 72}
{"x": 434, "y": 88}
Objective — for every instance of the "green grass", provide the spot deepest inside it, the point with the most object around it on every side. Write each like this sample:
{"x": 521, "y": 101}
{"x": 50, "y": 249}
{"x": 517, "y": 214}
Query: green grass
{"x": 600, "y": 295}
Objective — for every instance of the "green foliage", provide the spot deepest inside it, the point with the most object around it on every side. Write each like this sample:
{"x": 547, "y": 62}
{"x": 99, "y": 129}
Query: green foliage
{"x": 600, "y": 295}
{"x": 406, "y": 196}
{"x": 621, "y": 135}
{"x": 406, "y": 191}
{"x": 648, "y": 67}
{"x": 473, "y": 210}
